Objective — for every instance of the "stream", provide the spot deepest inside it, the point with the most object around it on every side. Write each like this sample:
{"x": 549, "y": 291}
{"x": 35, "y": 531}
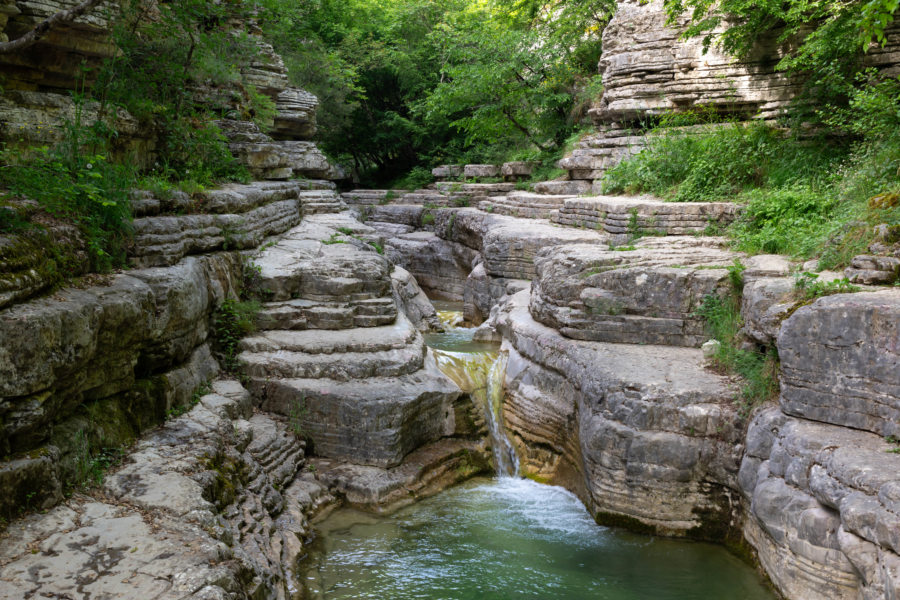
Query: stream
{"x": 507, "y": 537}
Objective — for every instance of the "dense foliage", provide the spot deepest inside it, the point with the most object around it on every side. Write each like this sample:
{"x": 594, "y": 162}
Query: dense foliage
{"x": 418, "y": 82}
{"x": 819, "y": 188}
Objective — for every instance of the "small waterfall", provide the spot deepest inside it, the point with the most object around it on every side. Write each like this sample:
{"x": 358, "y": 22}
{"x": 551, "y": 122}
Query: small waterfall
{"x": 481, "y": 374}
{"x": 450, "y": 318}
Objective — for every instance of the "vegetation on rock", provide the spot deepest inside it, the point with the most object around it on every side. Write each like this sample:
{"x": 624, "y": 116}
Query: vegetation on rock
{"x": 420, "y": 82}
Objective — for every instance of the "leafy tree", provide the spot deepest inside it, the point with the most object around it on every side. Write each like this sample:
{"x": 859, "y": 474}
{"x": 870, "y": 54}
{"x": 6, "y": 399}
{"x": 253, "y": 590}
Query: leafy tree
{"x": 825, "y": 39}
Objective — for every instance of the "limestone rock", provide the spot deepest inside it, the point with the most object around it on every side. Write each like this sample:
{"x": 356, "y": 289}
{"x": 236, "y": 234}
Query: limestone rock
{"x": 439, "y": 266}
{"x": 638, "y": 432}
{"x": 840, "y": 361}
{"x": 422, "y": 473}
{"x": 373, "y": 421}
{"x": 513, "y": 171}
{"x": 311, "y": 263}
{"x": 645, "y": 215}
{"x": 447, "y": 172}
{"x": 194, "y": 512}
{"x": 871, "y": 270}
{"x": 765, "y": 303}
{"x": 525, "y": 205}
{"x": 413, "y": 301}
{"x": 647, "y": 294}
{"x": 296, "y": 116}
{"x": 823, "y": 511}
{"x": 471, "y": 171}
{"x": 563, "y": 187}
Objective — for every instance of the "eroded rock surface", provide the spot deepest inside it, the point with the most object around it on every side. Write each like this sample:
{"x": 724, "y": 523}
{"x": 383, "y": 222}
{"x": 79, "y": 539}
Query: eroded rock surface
{"x": 647, "y": 293}
{"x": 840, "y": 359}
{"x": 823, "y": 511}
{"x": 644, "y": 434}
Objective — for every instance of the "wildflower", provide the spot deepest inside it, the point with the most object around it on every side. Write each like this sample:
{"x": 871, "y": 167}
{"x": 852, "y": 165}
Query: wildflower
{"x": 89, "y": 166}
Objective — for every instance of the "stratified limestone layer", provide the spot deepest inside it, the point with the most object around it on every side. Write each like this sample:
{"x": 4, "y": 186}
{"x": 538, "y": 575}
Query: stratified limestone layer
{"x": 526, "y": 205}
{"x": 365, "y": 392}
{"x": 423, "y": 473}
{"x": 824, "y": 504}
{"x": 635, "y": 216}
{"x": 441, "y": 267}
{"x": 372, "y": 421}
{"x": 840, "y": 360}
{"x": 207, "y": 506}
{"x": 316, "y": 261}
{"x": 644, "y": 434}
{"x": 82, "y": 346}
{"x": 232, "y": 217}
{"x": 645, "y": 294}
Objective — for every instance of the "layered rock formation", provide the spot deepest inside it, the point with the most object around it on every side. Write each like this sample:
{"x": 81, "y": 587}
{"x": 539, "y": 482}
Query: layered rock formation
{"x": 821, "y": 490}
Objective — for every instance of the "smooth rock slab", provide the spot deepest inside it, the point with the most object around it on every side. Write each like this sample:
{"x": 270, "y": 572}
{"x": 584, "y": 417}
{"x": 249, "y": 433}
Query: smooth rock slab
{"x": 315, "y": 261}
{"x": 840, "y": 360}
{"x": 647, "y": 294}
{"x": 373, "y": 421}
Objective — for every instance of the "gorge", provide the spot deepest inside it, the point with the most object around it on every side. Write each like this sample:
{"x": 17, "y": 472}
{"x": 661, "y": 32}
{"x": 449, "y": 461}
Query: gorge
{"x": 278, "y": 392}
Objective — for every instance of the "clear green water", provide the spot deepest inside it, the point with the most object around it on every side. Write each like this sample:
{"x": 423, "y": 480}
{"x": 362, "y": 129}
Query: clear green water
{"x": 512, "y": 538}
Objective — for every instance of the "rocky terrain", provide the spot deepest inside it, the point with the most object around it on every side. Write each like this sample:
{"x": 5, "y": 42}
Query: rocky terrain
{"x": 231, "y": 448}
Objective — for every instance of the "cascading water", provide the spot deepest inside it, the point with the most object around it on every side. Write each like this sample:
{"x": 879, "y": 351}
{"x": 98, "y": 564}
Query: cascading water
{"x": 507, "y": 537}
{"x": 480, "y": 374}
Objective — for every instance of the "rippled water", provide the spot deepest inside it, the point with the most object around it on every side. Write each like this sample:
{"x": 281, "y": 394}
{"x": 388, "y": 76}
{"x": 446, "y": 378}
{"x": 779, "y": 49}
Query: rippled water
{"x": 512, "y": 538}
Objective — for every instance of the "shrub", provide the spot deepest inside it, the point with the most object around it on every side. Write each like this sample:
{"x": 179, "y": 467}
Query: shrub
{"x": 231, "y": 322}
{"x": 757, "y": 368}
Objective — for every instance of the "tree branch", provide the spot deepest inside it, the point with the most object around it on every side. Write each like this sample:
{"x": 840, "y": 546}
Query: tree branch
{"x": 42, "y": 28}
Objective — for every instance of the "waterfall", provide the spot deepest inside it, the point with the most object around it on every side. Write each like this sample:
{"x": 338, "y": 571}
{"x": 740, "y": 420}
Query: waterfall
{"x": 481, "y": 374}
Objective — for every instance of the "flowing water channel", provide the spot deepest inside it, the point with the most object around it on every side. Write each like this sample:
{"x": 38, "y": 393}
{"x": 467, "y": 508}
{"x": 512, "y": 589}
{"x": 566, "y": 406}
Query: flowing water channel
{"x": 507, "y": 537}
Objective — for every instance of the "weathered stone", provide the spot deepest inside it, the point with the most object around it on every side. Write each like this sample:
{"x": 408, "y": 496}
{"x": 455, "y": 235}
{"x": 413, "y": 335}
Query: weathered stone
{"x": 823, "y": 508}
{"x": 296, "y": 116}
{"x": 480, "y": 171}
{"x": 160, "y": 241}
{"x": 641, "y": 216}
{"x": 313, "y": 262}
{"x": 563, "y": 187}
{"x": 640, "y": 433}
{"x": 423, "y": 473}
{"x": 513, "y": 171}
{"x": 193, "y": 513}
{"x": 875, "y": 270}
{"x": 439, "y": 266}
{"x": 447, "y": 171}
{"x": 524, "y": 205}
{"x": 413, "y": 301}
{"x": 766, "y": 266}
{"x": 765, "y": 303}
{"x": 647, "y": 294}
{"x": 373, "y": 421}
{"x": 840, "y": 359}
{"x": 387, "y": 351}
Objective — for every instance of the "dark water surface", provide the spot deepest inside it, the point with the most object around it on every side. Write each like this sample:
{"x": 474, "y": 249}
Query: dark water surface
{"x": 494, "y": 539}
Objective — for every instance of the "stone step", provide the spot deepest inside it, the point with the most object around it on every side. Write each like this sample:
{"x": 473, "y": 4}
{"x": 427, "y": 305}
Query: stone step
{"x": 335, "y": 366}
{"x": 375, "y": 421}
{"x": 315, "y": 261}
{"x": 308, "y": 314}
{"x": 647, "y": 294}
{"x": 371, "y": 197}
{"x": 577, "y": 187}
{"x": 475, "y": 189}
{"x": 625, "y": 214}
{"x": 363, "y": 339}
{"x": 447, "y": 171}
{"x": 524, "y": 205}
{"x": 165, "y": 240}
